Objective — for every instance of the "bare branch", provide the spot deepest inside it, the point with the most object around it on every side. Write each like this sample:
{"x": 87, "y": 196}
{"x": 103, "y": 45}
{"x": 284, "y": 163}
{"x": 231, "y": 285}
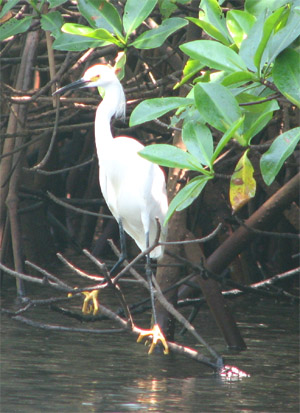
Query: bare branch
{"x": 62, "y": 171}
{"x": 194, "y": 241}
{"x": 78, "y": 210}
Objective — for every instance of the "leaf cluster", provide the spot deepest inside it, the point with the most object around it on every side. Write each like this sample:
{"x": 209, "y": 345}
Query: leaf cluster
{"x": 237, "y": 77}
{"x": 250, "y": 63}
{"x": 104, "y": 25}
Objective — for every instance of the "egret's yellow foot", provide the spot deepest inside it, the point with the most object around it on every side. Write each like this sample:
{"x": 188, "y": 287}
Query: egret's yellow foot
{"x": 157, "y": 335}
{"x": 88, "y": 307}
{"x": 89, "y": 295}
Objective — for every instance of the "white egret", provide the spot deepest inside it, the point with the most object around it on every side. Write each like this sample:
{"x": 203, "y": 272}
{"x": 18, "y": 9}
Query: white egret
{"x": 133, "y": 188}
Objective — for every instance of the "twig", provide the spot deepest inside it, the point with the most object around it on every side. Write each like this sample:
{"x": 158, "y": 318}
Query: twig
{"x": 53, "y": 327}
{"x": 52, "y": 141}
{"x": 78, "y": 271}
{"x": 253, "y": 288}
{"x": 36, "y": 280}
{"x": 166, "y": 126}
{"x": 78, "y": 210}
{"x": 47, "y": 275}
{"x": 267, "y": 233}
{"x": 29, "y": 278}
{"x": 24, "y": 145}
{"x": 194, "y": 241}
{"x": 275, "y": 278}
{"x": 64, "y": 170}
{"x": 276, "y": 95}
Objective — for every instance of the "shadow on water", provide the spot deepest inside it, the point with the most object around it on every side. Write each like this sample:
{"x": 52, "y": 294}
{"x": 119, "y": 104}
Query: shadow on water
{"x": 48, "y": 371}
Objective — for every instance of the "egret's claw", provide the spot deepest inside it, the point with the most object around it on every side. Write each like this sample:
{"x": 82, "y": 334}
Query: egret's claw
{"x": 157, "y": 335}
{"x": 88, "y": 307}
{"x": 89, "y": 295}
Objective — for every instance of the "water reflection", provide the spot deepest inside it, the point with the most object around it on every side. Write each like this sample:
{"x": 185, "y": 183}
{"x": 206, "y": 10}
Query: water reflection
{"x": 45, "y": 371}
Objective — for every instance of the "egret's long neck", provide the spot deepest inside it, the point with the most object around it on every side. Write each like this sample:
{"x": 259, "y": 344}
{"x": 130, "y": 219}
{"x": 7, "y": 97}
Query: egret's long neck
{"x": 113, "y": 104}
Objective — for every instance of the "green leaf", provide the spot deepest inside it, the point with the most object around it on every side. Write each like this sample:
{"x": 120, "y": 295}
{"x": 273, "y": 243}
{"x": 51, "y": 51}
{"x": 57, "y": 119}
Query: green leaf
{"x": 256, "y": 125}
{"x": 217, "y": 105}
{"x": 285, "y": 36}
{"x": 282, "y": 147}
{"x": 213, "y": 21}
{"x": 154, "y": 108}
{"x": 187, "y": 195}
{"x": 190, "y": 69}
{"x": 198, "y": 141}
{"x": 210, "y": 30}
{"x": 52, "y": 21}
{"x": 238, "y": 77}
{"x": 239, "y": 23}
{"x": 13, "y": 26}
{"x": 166, "y": 8}
{"x": 101, "y": 14}
{"x": 120, "y": 66}
{"x": 187, "y": 114}
{"x": 242, "y": 184}
{"x": 74, "y": 43}
{"x": 268, "y": 28}
{"x": 214, "y": 54}
{"x": 135, "y": 12}
{"x": 170, "y": 156}
{"x": 206, "y": 76}
{"x": 155, "y": 37}
{"x": 256, "y": 116}
{"x": 226, "y": 137}
{"x": 257, "y": 7}
{"x": 286, "y": 75}
{"x": 56, "y": 3}
{"x": 86, "y": 31}
{"x": 249, "y": 44}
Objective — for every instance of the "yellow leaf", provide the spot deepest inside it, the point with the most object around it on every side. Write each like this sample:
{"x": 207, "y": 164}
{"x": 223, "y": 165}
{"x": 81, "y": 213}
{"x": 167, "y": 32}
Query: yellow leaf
{"x": 242, "y": 184}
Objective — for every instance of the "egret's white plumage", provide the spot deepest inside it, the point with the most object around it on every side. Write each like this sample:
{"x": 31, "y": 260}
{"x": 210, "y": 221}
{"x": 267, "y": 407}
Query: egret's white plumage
{"x": 133, "y": 188}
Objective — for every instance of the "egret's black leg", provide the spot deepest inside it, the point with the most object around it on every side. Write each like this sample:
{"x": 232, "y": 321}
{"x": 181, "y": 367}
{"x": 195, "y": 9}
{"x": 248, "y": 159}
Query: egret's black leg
{"x": 149, "y": 279}
{"x": 123, "y": 255}
{"x": 155, "y": 332}
{"x": 93, "y": 295}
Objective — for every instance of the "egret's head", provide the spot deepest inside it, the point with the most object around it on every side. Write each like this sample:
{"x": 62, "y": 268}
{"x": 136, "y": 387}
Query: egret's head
{"x": 95, "y": 76}
{"x": 105, "y": 77}
{"x": 99, "y": 75}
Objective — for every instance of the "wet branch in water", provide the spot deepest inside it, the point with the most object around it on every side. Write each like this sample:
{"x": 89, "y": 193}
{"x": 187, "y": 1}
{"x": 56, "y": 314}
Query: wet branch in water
{"x": 54, "y": 282}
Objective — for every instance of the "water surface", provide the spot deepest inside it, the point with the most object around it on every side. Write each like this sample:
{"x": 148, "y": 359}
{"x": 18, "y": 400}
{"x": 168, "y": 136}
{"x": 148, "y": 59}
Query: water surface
{"x": 49, "y": 371}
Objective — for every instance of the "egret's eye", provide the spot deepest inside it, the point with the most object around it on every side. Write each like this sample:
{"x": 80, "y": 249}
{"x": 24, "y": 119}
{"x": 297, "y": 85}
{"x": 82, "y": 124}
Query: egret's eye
{"x": 95, "y": 78}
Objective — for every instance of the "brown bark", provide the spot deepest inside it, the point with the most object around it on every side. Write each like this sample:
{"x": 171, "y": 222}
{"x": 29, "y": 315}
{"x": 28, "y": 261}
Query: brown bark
{"x": 215, "y": 300}
{"x": 14, "y": 166}
{"x": 167, "y": 276}
{"x": 261, "y": 219}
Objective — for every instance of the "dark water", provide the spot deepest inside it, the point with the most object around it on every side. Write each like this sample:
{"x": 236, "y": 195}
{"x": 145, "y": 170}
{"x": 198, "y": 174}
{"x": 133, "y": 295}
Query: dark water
{"x": 46, "y": 371}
